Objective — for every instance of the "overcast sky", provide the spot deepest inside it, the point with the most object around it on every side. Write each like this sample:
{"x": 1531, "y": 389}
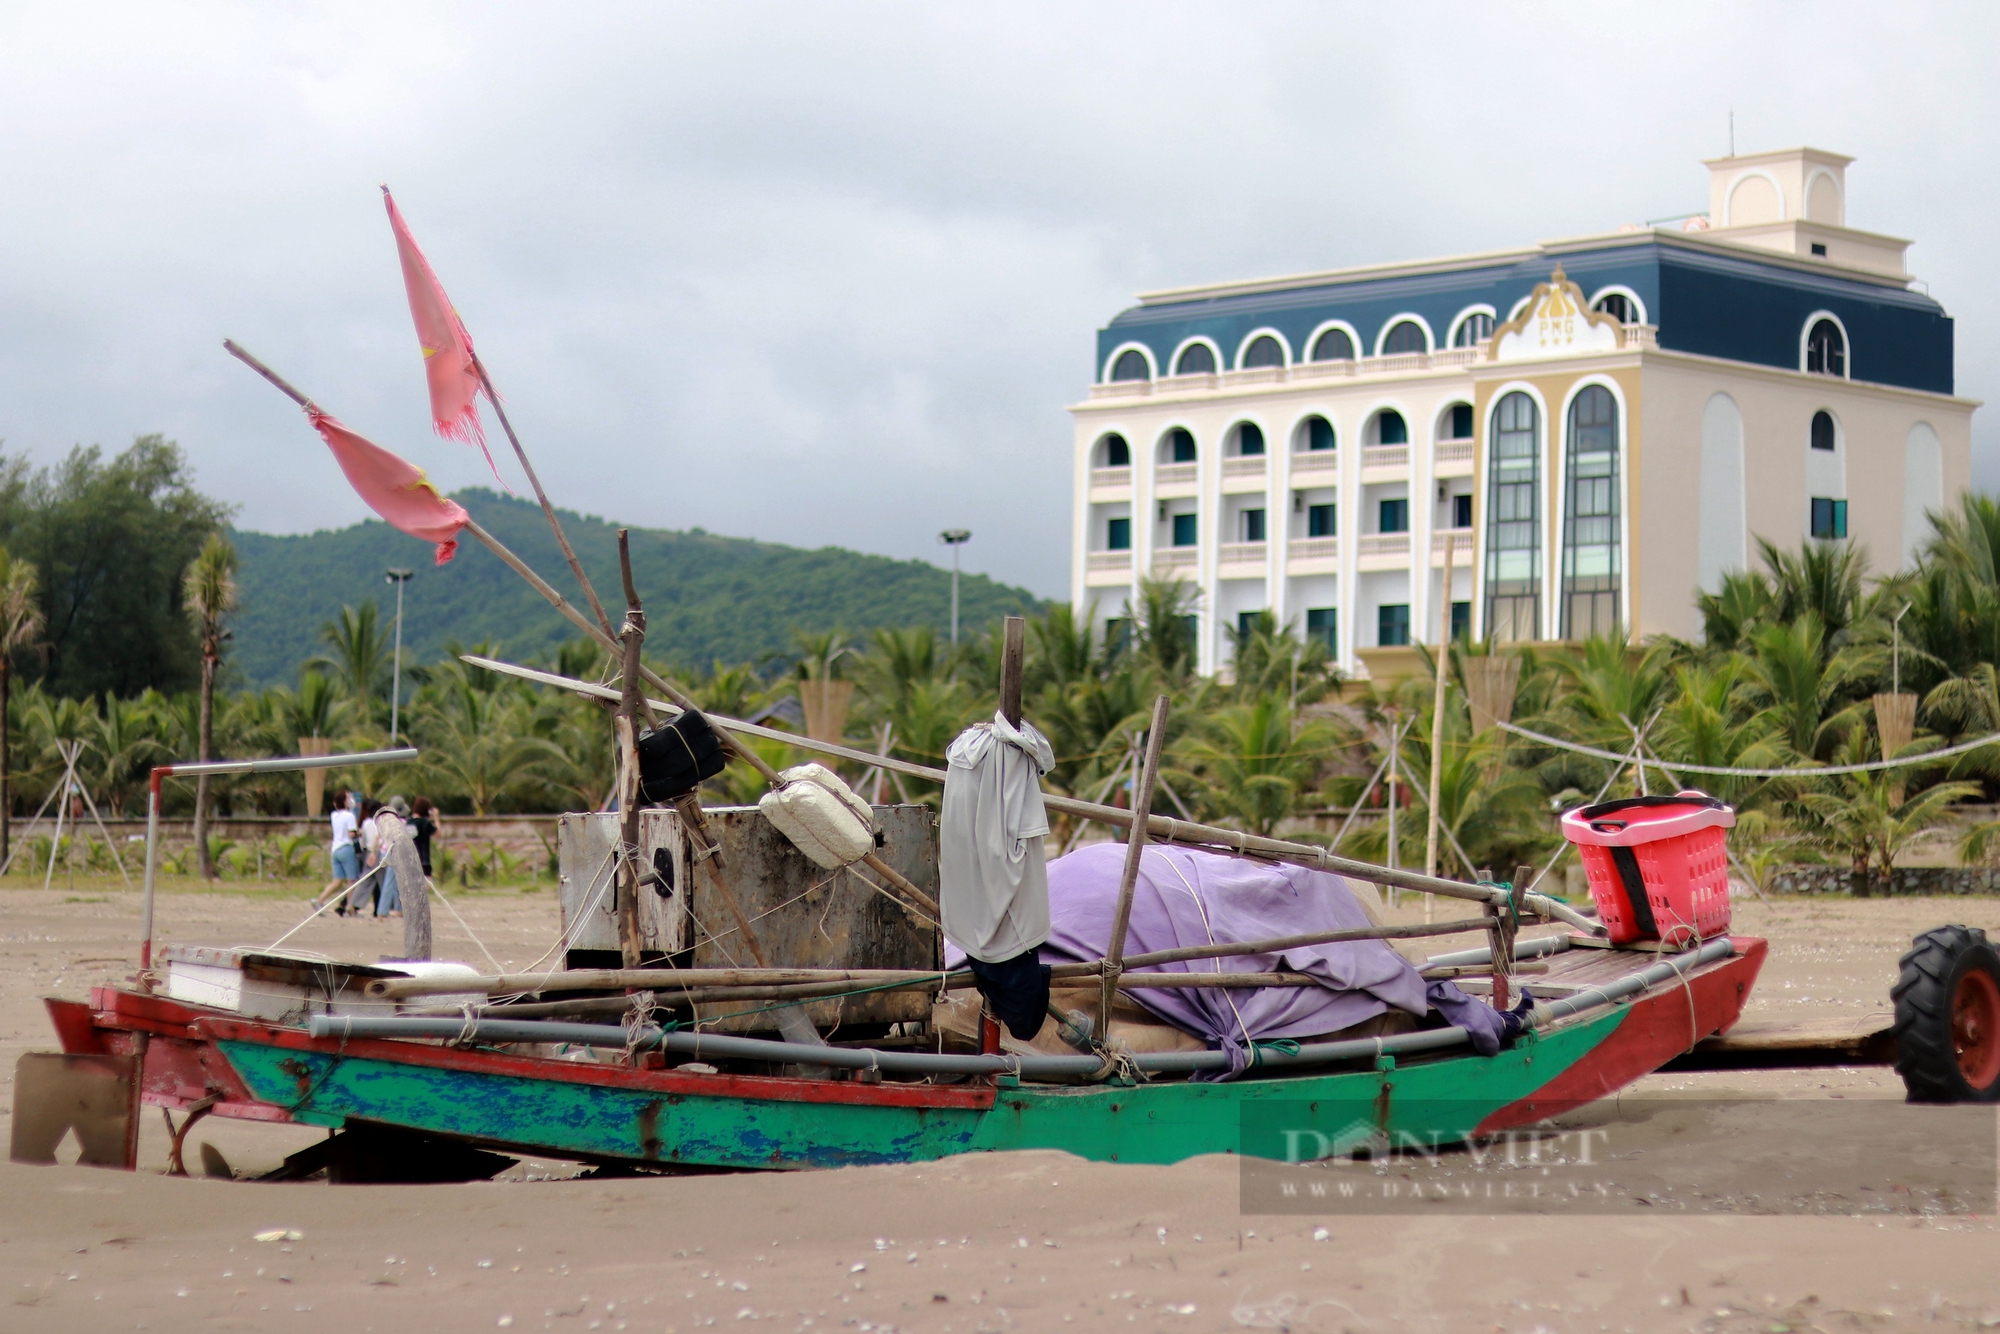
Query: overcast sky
{"x": 829, "y": 273}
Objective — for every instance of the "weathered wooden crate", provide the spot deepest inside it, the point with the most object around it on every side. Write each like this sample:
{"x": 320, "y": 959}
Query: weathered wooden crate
{"x": 804, "y": 916}
{"x": 588, "y": 889}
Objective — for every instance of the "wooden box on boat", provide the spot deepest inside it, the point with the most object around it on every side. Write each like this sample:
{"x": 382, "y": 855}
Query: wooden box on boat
{"x": 803, "y": 914}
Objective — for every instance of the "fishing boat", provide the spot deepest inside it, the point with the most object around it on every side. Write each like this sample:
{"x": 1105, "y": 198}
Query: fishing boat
{"x": 1609, "y": 1016}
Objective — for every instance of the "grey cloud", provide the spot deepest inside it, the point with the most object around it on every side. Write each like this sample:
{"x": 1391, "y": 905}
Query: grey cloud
{"x": 830, "y": 274}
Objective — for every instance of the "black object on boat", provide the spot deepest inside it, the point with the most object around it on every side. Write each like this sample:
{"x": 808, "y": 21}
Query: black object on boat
{"x": 675, "y": 757}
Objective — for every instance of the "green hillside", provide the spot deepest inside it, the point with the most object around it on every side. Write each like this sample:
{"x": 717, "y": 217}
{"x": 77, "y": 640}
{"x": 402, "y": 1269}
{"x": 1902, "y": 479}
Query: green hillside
{"x": 706, "y": 597}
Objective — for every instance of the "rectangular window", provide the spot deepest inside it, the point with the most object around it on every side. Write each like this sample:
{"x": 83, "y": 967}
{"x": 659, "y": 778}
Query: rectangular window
{"x": 1118, "y": 535}
{"x": 1253, "y": 525}
{"x": 1117, "y": 635}
{"x": 1184, "y": 530}
{"x": 1829, "y": 518}
{"x": 1323, "y": 624}
{"x": 1819, "y": 249}
{"x": 1461, "y": 620}
{"x": 1461, "y": 421}
{"x": 1461, "y": 511}
{"x": 1392, "y": 624}
{"x": 1320, "y": 521}
{"x": 1394, "y": 516}
{"x": 1246, "y": 624}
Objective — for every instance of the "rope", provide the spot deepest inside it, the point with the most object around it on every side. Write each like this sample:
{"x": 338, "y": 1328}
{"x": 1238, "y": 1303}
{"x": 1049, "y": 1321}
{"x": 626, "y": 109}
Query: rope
{"x": 636, "y": 1015}
{"x": 464, "y": 925}
{"x": 469, "y": 1030}
{"x": 1814, "y": 771}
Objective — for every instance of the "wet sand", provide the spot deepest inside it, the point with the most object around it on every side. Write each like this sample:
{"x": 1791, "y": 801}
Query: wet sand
{"x": 991, "y": 1242}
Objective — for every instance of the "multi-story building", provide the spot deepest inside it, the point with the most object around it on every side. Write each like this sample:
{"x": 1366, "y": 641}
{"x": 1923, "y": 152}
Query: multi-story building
{"x": 1588, "y": 430}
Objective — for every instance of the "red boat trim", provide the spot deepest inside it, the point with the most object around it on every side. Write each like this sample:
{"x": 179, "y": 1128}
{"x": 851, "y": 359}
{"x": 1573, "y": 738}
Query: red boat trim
{"x": 1655, "y": 1029}
{"x": 75, "y": 1027}
{"x": 761, "y": 1088}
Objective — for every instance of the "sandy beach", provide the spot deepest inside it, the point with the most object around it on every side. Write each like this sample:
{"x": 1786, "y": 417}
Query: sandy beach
{"x": 994, "y": 1242}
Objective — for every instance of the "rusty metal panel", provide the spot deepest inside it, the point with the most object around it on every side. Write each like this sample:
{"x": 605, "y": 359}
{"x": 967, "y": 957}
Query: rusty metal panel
{"x": 588, "y": 889}
{"x": 805, "y": 916}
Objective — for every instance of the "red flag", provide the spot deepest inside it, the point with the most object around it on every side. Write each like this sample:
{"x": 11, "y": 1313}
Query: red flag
{"x": 394, "y": 487}
{"x": 447, "y": 347}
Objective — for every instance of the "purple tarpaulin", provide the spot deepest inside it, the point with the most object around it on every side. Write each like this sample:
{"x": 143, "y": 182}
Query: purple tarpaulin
{"x": 1185, "y": 897}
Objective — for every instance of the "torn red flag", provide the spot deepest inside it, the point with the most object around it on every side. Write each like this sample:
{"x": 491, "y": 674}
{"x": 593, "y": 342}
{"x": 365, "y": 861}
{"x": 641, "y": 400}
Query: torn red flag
{"x": 394, "y": 487}
{"x": 449, "y": 364}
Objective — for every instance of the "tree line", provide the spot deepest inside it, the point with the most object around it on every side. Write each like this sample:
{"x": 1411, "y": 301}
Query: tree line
{"x": 1784, "y": 675}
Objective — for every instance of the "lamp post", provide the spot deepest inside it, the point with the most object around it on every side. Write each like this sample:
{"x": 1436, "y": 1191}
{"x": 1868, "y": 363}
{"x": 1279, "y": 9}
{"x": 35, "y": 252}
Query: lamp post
{"x": 955, "y": 538}
{"x": 398, "y": 578}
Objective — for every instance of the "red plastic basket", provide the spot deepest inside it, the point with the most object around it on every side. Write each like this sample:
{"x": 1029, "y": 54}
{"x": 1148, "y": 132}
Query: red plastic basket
{"x": 1658, "y": 866}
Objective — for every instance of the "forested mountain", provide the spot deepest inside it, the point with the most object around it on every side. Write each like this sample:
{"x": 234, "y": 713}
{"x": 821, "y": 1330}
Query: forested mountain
{"x": 706, "y": 597}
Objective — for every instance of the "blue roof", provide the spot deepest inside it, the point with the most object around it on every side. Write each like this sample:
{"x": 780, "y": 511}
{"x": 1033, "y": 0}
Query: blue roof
{"x": 1733, "y": 306}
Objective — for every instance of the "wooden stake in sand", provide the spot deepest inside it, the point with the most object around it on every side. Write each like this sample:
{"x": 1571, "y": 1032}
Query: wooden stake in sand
{"x": 634, "y": 636}
{"x": 1135, "y": 848}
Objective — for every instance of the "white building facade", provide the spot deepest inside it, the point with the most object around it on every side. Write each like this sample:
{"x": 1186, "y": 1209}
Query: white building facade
{"x": 1589, "y": 431}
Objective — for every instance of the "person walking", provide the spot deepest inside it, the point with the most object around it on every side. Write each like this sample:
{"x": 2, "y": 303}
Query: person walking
{"x": 343, "y": 857}
{"x": 423, "y": 827}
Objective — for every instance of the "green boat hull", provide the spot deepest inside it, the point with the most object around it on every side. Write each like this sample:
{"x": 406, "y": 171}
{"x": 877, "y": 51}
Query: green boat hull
{"x": 1442, "y": 1099}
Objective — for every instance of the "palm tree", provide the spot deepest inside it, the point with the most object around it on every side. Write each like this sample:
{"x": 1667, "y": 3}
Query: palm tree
{"x": 20, "y": 622}
{"x": 360, "y": 656}
{"x": 209, "y": 593}
{"x": 1165, "y": 630}
{"x": 1864, "y": 815}
{"x": 1249, "y": 762}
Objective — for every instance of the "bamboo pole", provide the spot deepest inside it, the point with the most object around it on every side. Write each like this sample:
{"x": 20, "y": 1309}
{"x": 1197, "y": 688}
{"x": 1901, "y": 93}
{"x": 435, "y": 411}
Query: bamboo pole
{"x": 633, "y": 633}
{"x": 1159, "y": 828}
{"x": 1441, "y": 669}
{"x": 662, "y": 979}
{"x": 548, "y": 510}
{"x": 1013, "y": 654}
{"x": 1135, "y": 849}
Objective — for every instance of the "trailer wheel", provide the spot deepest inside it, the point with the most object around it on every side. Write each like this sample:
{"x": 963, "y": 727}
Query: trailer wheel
{"x": 1948, "y": 1017}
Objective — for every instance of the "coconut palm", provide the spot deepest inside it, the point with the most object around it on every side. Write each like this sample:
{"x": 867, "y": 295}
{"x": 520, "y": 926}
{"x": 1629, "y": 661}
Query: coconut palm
{"x": 360, "y": 657}
{"x": 208, "y": 591}
{"x": 1247, "y": 763}
{"x": 1864, "y": 816}
{"x": 20, "y": 622}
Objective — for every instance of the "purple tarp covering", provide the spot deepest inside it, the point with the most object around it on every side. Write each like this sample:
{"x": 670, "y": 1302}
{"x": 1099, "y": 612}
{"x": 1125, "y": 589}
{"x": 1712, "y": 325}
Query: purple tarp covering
{"x": 1185, "y": 897}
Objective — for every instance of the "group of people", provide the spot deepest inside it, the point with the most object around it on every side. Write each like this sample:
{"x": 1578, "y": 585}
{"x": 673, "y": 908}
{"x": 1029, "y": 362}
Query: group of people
{"x": 363, "y": 879}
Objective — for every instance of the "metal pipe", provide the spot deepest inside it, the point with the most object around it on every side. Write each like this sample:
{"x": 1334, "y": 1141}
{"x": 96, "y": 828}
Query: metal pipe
{"x": 1548, "y": 1011}
{"x": 1034, "y": 1066}
{"x": 152, "y": 862}
{"x": 1531, "y": 947}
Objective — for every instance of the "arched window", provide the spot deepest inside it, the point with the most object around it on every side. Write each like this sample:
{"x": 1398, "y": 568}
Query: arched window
{"x": 1619, "y": 307}
{"x": 1514, "y": 521}
{"x": 1178, "y": 447}
{"x": 1590, "y": 550}
{"x": 1318, "y": 435}
{"x": 1404, "y": 336}
{"x": 1249, "y": 440}
{"x": 1822, "y": 431}
{"x": 1826, "y": 350}
{"x": 1196, "y": 359}
{"x": 1263, "y": 351}
{"x": 1131, "y": 365}
{"x": 1333, "y": 345}
{"x": 1472, "y": 331}
{"x": 1113, "y": 452}
{"x": 1390, "y": 428}
{"x": 1456, "y": 422}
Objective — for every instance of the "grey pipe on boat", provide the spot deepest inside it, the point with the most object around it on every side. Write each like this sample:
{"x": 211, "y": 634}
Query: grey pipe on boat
{"x": 1547, "y": 1012}
{"x": 1526, "y": 947}
{"x": 1035, "y": 1066}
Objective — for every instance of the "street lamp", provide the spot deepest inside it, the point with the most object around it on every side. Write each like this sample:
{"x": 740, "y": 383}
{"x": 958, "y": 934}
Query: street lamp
{"x": 398, "y": 578}
{"x": 955, "y": 538}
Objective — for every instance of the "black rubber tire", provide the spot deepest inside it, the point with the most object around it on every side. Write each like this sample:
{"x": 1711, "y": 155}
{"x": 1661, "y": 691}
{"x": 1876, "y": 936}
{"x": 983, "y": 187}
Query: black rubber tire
{"x": 1926, "y": 1056}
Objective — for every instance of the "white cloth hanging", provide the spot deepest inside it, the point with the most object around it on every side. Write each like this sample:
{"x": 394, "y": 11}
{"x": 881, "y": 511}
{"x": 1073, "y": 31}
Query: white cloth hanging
{"x": 994, "y": 882}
